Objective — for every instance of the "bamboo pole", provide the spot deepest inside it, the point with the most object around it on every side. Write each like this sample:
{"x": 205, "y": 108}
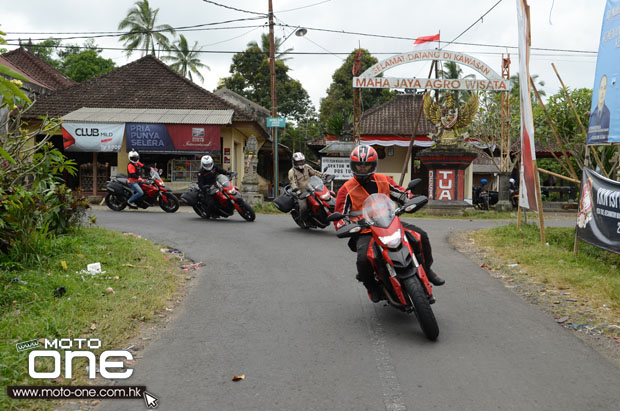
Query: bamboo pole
{"x": 415, "y": 131}
{"x": 583, "y": 129}
{"x": 555, "y": 132}
{"x": 572, "y": 180}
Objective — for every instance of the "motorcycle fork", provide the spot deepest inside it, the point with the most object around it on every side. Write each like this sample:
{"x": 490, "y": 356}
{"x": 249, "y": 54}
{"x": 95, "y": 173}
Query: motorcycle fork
{"x": 392, "y": 277}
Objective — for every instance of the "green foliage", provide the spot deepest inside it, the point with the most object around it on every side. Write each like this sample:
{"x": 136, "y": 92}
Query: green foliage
{"x": 35, "y": 205}
{"x": 251, "y": 79}
{"x": 45, "y": 49}
{"x": 277, "y": 45}
{"x": 339, "y": 97}
{"x": 86, "y": 64}
{"x": 186, "y": 61}
{"x": 142, "y": 30}
{"x": 29, "y": 308}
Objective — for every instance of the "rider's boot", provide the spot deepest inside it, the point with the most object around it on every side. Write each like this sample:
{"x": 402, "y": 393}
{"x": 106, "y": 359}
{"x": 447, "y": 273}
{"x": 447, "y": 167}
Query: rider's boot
{"x": 373, "y": 288}
{"x": 434, "y": 278}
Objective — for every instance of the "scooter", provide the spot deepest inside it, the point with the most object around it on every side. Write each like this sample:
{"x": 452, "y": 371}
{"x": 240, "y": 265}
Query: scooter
{"x": 320, "y": 203}
{"x": 227, "y": 196}
{"x": 154, "y": 189}
{"x": 395, "y": 254}
{"x": 483, "y": 198}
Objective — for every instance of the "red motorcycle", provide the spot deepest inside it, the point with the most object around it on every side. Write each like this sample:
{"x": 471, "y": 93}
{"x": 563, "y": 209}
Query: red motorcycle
{"x": 155, "y": 191}
{"x": 395, "y": 253}
{"x": 227, "y": 196}
{"x": 320, "y": 202}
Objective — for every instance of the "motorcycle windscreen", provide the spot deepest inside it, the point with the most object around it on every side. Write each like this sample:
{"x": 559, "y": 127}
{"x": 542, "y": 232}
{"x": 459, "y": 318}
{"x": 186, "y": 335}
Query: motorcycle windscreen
{"x": 315, "y": 184}
{"x": 378, "y": 210}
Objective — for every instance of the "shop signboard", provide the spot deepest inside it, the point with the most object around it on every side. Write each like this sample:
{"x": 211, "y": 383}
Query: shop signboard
{"x": 92, "y": 137}
{"x": 339, "y": 167}
{"x": 172, "y": 137}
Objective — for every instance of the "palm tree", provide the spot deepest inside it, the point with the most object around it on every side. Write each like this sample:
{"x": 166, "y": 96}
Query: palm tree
{"x": 277, "y": 43}
{"x": 186, "y": 61}
{"x": 453, "y": 70}
{"x": 140, "y": 22}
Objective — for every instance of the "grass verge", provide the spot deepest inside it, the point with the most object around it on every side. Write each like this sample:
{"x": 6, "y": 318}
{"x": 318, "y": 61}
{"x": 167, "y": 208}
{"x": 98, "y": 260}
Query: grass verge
{"x": 588, "y": 282}
{"x": 137, "y": 281}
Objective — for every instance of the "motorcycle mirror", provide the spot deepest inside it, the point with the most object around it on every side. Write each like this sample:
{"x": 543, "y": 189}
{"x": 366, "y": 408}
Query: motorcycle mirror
{"x": 160, "y": 171}
{"x": 413, "y": 183}
{"x": 334, "y": 217}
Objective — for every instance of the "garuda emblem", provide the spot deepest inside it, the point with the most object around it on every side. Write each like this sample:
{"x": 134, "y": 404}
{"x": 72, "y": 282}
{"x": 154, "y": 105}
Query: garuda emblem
{"x": 450, "y": 119}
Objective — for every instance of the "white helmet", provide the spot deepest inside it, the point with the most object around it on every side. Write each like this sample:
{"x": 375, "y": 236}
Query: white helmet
{"x": 511, "y": 181}
{"x": 299, "y": 160}
{"x": 133, "y": 156}
{"x": 207, "y": 162}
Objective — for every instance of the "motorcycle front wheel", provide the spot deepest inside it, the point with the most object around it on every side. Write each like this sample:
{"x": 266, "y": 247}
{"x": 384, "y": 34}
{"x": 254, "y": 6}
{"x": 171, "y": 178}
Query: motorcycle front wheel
{"x": 114, "y": 202}
{"x": 247, "y": 212}
{"x": 170, "y": 203}
{"x": 422, "y": 305}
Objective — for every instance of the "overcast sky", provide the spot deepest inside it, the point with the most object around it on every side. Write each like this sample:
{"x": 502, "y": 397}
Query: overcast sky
{"x": 573, "y": 25}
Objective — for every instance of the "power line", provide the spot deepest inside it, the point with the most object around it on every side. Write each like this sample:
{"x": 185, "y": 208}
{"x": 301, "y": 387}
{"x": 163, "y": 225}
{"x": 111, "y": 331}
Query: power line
{"x": 300, "y": 53}
{"x": 474, "y": 23}
{"x": 303, "y": 7}
{"x": 233, "y": 8}
{"x": 415, "y": 38}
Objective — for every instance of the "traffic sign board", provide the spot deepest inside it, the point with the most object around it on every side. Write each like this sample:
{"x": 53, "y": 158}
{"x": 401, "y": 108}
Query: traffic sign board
{"x": 276, "y": 122}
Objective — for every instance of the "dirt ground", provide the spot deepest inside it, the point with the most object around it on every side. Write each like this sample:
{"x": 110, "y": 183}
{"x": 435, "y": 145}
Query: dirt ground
{"x": 595, "y": 326}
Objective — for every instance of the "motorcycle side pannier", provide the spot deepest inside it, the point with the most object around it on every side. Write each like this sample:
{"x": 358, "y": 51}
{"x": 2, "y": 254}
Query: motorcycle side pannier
{"x": 285, "y": 202}
{"x": 190, "y": 196}
{"x": 115, "y": 187}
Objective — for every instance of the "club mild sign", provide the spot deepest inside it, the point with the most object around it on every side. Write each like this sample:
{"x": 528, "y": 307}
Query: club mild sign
{"x": 492, "y": 81}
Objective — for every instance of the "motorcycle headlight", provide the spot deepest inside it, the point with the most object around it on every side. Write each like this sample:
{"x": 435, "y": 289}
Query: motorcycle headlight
{"x": 326, "y": 196}
{"x": 393, "y": 240}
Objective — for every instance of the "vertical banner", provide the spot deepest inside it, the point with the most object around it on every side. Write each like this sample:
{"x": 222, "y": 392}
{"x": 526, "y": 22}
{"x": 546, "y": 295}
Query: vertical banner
{"x": 527, "y": 193}
{"x": 604, "y": 126}
{"x": 598, "y": 220}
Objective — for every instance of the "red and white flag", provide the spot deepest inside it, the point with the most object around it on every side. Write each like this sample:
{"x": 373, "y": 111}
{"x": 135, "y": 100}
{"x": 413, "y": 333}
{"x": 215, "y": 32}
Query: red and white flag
{"x": 426, "y": 42}
{"x": 527, "y": 188}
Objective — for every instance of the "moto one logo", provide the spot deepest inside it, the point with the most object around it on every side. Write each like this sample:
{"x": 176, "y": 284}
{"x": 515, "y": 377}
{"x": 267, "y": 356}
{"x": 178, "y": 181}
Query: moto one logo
{"x": 80, "y": 343}
{"x": 87, "y": 132}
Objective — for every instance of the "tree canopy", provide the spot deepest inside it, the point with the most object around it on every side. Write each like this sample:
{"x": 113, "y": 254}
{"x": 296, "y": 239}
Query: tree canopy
{"x": 339, "y": 97}
{"x": 251, "y": 79}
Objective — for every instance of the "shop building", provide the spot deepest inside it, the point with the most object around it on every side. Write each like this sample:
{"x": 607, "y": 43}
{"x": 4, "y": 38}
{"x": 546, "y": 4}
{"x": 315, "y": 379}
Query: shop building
{"x": 146, "y": 106}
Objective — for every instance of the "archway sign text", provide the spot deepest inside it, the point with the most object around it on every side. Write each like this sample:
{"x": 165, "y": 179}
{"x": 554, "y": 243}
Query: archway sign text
{"x": 492, "y": 81}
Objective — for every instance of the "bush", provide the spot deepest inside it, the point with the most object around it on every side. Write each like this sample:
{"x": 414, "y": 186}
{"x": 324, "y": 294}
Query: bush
{"x": 35, "y": 205}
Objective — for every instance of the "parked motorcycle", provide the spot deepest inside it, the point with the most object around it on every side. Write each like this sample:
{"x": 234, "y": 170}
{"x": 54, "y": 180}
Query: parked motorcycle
{"x": 320, "y": 202}
{"x": 395, "y": 254}
{"x": 482, "y": 197}
{"x": 513, "y": 191}
{"x": 155, "y": 191}
{"x": 227, "y": 196}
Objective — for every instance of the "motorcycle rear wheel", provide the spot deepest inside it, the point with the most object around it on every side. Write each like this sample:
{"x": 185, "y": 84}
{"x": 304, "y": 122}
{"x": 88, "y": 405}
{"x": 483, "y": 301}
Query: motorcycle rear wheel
{"x": 422, "y": 305}
{"x": 171, "y": 205}
{"x": 114, "y": 202}
{"x": 247, "y": 212}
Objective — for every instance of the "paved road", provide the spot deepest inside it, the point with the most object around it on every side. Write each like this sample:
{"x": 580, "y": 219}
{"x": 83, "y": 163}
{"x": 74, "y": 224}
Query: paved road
{"x": 282, "y": 306}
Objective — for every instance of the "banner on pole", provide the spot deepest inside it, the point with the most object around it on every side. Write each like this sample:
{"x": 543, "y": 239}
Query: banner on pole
{"x": 527, "y": 192}
{"x": 604, "y": 126}
{"x": 598, "y": 220}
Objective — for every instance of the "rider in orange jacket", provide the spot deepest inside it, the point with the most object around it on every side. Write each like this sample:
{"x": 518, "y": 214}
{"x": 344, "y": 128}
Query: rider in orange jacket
{"x": 351, "y": 196}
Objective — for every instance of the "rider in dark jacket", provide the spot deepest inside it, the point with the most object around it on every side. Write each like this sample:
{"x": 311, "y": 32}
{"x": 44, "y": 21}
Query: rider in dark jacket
{"x": 206, "y": 178}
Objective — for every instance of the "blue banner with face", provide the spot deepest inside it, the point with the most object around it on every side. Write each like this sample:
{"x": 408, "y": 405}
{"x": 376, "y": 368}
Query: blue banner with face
{"x": 604, "y": 126}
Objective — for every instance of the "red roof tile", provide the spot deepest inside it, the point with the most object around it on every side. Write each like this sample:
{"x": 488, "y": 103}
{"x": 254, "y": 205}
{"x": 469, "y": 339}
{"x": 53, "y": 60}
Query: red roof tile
{"x": 144, "y": 83}
{"x": 37, "y": 69}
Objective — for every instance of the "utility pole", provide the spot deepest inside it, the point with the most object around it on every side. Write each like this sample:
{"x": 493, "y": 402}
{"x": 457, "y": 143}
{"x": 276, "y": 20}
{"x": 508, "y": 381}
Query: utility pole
{"x": 274, "y": 100}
